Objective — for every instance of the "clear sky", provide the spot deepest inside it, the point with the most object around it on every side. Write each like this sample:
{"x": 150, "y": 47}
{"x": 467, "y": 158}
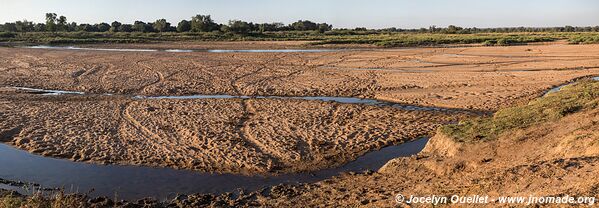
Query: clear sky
{"x": 340, "y": 13}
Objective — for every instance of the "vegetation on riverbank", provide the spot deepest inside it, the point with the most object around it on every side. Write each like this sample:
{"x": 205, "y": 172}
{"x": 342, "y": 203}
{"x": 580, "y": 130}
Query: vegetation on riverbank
{"x": 397, "y": 39}
{"x": 57, "y": 200}
{"x": 424, "y": 39}
{"x": 57, "y": 30}
{"x": 584, "y": 38}
{"x": 570, "y": 99}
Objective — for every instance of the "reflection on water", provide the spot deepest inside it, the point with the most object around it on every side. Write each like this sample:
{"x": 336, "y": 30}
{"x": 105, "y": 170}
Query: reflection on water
{"x": 134, "y": 182}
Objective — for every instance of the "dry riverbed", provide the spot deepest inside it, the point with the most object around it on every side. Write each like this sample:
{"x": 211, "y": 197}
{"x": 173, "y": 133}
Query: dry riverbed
{"x": 222, "y": 135}
{"x": 266, "y": 136}
{"x": 484, "y": 78}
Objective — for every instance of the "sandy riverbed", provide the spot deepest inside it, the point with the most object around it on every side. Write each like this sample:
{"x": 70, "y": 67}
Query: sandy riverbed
{"x": 261, "y": 135}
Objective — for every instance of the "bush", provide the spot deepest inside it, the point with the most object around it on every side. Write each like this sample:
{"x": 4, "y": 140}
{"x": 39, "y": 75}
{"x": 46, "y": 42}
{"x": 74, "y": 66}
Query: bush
{"x": 503, "y": 42}
{"x": 489, "y": 42}
{"x": 8, "y": 35}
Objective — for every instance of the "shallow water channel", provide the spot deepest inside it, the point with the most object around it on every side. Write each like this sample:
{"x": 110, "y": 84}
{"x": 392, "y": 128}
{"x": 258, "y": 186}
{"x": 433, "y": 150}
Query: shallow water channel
{"x": 188, "y": 50}
{"x": 135, "y": 182}
{"x": 347, "y": 100}
{"x": 558, "y": 88}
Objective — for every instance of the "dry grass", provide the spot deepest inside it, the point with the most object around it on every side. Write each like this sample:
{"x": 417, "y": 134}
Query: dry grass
{"x": 570, "y": 99}
{"x": 38, "y": 200}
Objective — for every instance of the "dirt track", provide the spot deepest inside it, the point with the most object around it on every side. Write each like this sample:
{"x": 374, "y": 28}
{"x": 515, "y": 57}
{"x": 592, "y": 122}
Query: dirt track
{"x": 257, "y": 135}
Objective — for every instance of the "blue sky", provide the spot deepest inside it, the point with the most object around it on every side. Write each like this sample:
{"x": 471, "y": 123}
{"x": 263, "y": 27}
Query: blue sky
{"x": 340, "y": 13}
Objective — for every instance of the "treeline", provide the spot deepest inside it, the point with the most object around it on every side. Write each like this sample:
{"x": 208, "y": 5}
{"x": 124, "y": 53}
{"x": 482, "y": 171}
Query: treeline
{"x": 204, "y": 23}
{"x": 198, "y": 23}
{"x": 452, "y": 29}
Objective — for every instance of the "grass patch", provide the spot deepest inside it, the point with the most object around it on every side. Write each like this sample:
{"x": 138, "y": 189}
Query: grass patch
{"x": 37, "y": 200}
{"x": 570, "y": 99}
{"x": 590, "y": 38}
{"x": 10, "y": 201}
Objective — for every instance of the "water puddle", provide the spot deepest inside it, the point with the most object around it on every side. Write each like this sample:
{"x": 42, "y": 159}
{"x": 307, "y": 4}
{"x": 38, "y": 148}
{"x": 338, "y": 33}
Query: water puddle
{"x": 186, "y": 50}
{"x": 178, "y": 51}
{"x": 134, "y": 182}
{"x": 47, "y": 92}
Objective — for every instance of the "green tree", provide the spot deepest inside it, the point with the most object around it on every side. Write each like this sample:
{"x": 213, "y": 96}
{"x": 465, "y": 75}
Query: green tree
{"x": 452, "y": 29}
{"x": 23, "y": 26}
{"x": 203, "y": 23}
{"x": 9, "y": 27}
{"x": 39, "y": 27}
{"x": 86, "y": 28}
{"x": 140, "y": 26}
{"x": 303, "y": 25}
{"x": 61, "y": 23}
{"x": 161, "y": 25}
{"x": 184, "y": 26}
{"x": 125, "y": 28}
{"x": 102, "y": 27}
{"x": 323, "y": 27}
{"x": 114, "y": 26}
{"x": 51, "y": 22}
{"x": 276, "y": 26}
{"x": 72, "y": 26}
{"x": 239, "y": 27}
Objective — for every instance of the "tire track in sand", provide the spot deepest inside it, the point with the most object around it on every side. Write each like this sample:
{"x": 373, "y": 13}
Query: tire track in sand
{"x": 244, "y": 129}
{"x": 158, "y": 74}
{"x": 157, "y": 142}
